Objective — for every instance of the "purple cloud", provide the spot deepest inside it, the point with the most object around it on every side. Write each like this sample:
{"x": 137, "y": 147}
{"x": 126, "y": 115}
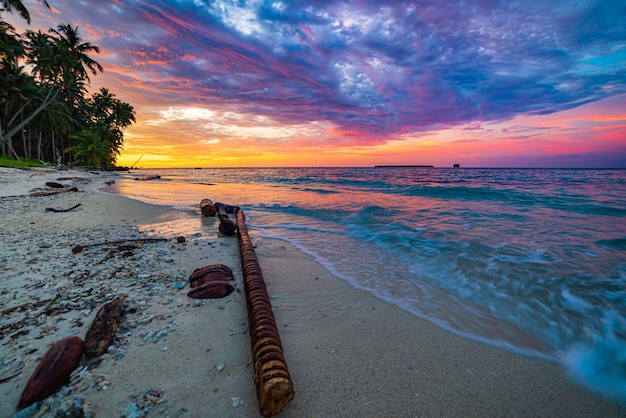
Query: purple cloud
{"x": 375, "y": 68}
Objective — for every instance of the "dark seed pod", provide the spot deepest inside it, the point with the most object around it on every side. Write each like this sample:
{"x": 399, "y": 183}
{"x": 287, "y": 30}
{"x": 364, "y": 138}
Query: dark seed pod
{"x": 102, "y": 331}
{"x": 53, "y": 370}
{"x": 211, "y": 290}
{"x": 209, "y": 273}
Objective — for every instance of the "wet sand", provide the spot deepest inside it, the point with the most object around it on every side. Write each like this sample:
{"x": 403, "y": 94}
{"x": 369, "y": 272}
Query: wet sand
{"x": 349, "y": 353}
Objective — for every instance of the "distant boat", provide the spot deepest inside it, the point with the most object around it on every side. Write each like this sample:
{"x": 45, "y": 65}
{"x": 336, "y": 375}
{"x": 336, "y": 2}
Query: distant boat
{"x": 457, "y": 165}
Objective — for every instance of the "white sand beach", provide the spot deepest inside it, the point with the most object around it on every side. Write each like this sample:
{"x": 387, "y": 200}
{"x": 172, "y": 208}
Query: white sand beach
{"x": 349, "y": 353}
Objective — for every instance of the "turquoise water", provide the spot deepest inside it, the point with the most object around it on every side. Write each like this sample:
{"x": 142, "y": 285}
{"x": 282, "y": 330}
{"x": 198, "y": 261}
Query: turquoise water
{"x": 529, "y": 260}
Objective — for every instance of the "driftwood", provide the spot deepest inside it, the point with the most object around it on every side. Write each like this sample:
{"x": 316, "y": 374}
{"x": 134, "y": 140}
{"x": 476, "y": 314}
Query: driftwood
{"x": 53, "y": 370}
{"x": 79, "y": 248}
{"x": 57, "y": 191}
{"x": 207, "y": 208}
{"x": 23, "y": 305}
{"x": 146, "y": 178}
{"x": 273, "y": 383}
{"x": 55, "y": 185}
{"x": 226, "y": 227}
{"x": 16, "y": 326}
{"x": 102, "y": 331}
{"x": 62, "y": 210}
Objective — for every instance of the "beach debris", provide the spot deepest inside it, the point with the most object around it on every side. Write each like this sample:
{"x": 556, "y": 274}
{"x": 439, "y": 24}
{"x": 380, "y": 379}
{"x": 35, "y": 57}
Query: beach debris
{"x": 55, "y": 185}
{"x": 209, "y": 273}
{"x": 23, "y": 305}
{"x": 62, "y": 210}
{"x": 146, "y": 178}
{"x": 55, "y": 407}
{"x": 180, "y": 239}
{"x": 161, "y": 334}
{"x": 211, "y": 290}
{"x": 53, "y": 370}
{"x": 237, "y": 401}
{"x": 132, "y": 410}
{"x": 109, "y": 182}
{"x": 274, "y": 387}
{"x": 151, "y": 398}
{"x": 101, "y": 334}
{"x": 52, "y": 192}
{"x": 79, "y": 248}
{"x": 206, "y": 208}
{"x": 20, "y": 326}
{"x": 10, "y": 368}
{"x": 226, "y": 227}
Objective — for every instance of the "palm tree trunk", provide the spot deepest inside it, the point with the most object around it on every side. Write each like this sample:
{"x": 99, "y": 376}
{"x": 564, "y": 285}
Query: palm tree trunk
{"x": 25, "y": 145}
{"x": 2, "y": 144}
{"x": 10, "y": 145}
{"x": 54, "y": 148}
{"x": 52, "y": 94}
{"x": 39, "y": 150}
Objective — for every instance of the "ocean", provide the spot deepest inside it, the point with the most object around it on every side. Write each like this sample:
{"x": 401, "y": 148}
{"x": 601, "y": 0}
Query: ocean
{"x": 528, "y": 260}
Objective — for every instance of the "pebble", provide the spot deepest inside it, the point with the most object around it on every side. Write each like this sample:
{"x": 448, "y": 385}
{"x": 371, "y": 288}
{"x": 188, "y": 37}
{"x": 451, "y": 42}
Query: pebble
{"x": 132, "y": 411}
{"x": 77, "y": 286}
{"x": 160, "y": 334}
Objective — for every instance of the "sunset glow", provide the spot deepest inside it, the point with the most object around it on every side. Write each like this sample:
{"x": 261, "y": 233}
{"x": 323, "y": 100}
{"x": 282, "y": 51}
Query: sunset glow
{"x": 319, "y": 83}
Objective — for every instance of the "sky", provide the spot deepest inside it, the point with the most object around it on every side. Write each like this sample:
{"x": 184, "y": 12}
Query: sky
{"x": 485, "y": 83}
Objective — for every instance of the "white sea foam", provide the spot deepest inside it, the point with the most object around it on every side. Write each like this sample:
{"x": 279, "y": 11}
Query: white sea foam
{"x": 531, "y": 261}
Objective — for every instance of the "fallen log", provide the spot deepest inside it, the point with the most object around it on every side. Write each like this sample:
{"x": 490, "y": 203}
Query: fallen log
{"x": 62, "y": 210}
{"x": 226, "y": 227}
{"x": 53, "y": 370}
{"x": 56, "y": 191}
{"x": 207, "y": 208}
{"x": 146, "y": 178}
{"x": 274, "y": 387}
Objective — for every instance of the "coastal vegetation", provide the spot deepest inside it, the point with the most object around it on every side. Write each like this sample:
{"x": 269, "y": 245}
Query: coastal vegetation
{"x": 21, "y": 163}
{"x": 46, "y": 111}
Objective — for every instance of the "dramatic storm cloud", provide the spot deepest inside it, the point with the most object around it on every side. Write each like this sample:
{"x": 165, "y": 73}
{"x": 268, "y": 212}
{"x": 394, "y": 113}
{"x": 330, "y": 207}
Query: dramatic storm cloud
{"x": 350, "y": 73}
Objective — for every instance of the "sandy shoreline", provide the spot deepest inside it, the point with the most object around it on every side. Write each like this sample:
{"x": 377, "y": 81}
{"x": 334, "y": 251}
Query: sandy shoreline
{"x": 349, "y": 354}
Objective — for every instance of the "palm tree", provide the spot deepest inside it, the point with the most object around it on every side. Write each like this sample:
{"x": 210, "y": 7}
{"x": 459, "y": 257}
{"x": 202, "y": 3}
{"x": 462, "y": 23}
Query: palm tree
{"x": 17, "y": 91}
{"x": 40, "y": 53}
{"x": 73, "y": 56}
{"x": 11, "y": 46}
{"x": 110, "y": 116}
{"x": 51, "y": 102}
{"x": 21, "y": 90}
{"x": 91, "y": 148}
{"x": 17, "y": 6}
{"x": 55, "y": 119}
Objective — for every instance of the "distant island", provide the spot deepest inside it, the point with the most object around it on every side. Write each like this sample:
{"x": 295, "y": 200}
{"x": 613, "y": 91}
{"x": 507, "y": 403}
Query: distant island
{"x": 403, "y": 166}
